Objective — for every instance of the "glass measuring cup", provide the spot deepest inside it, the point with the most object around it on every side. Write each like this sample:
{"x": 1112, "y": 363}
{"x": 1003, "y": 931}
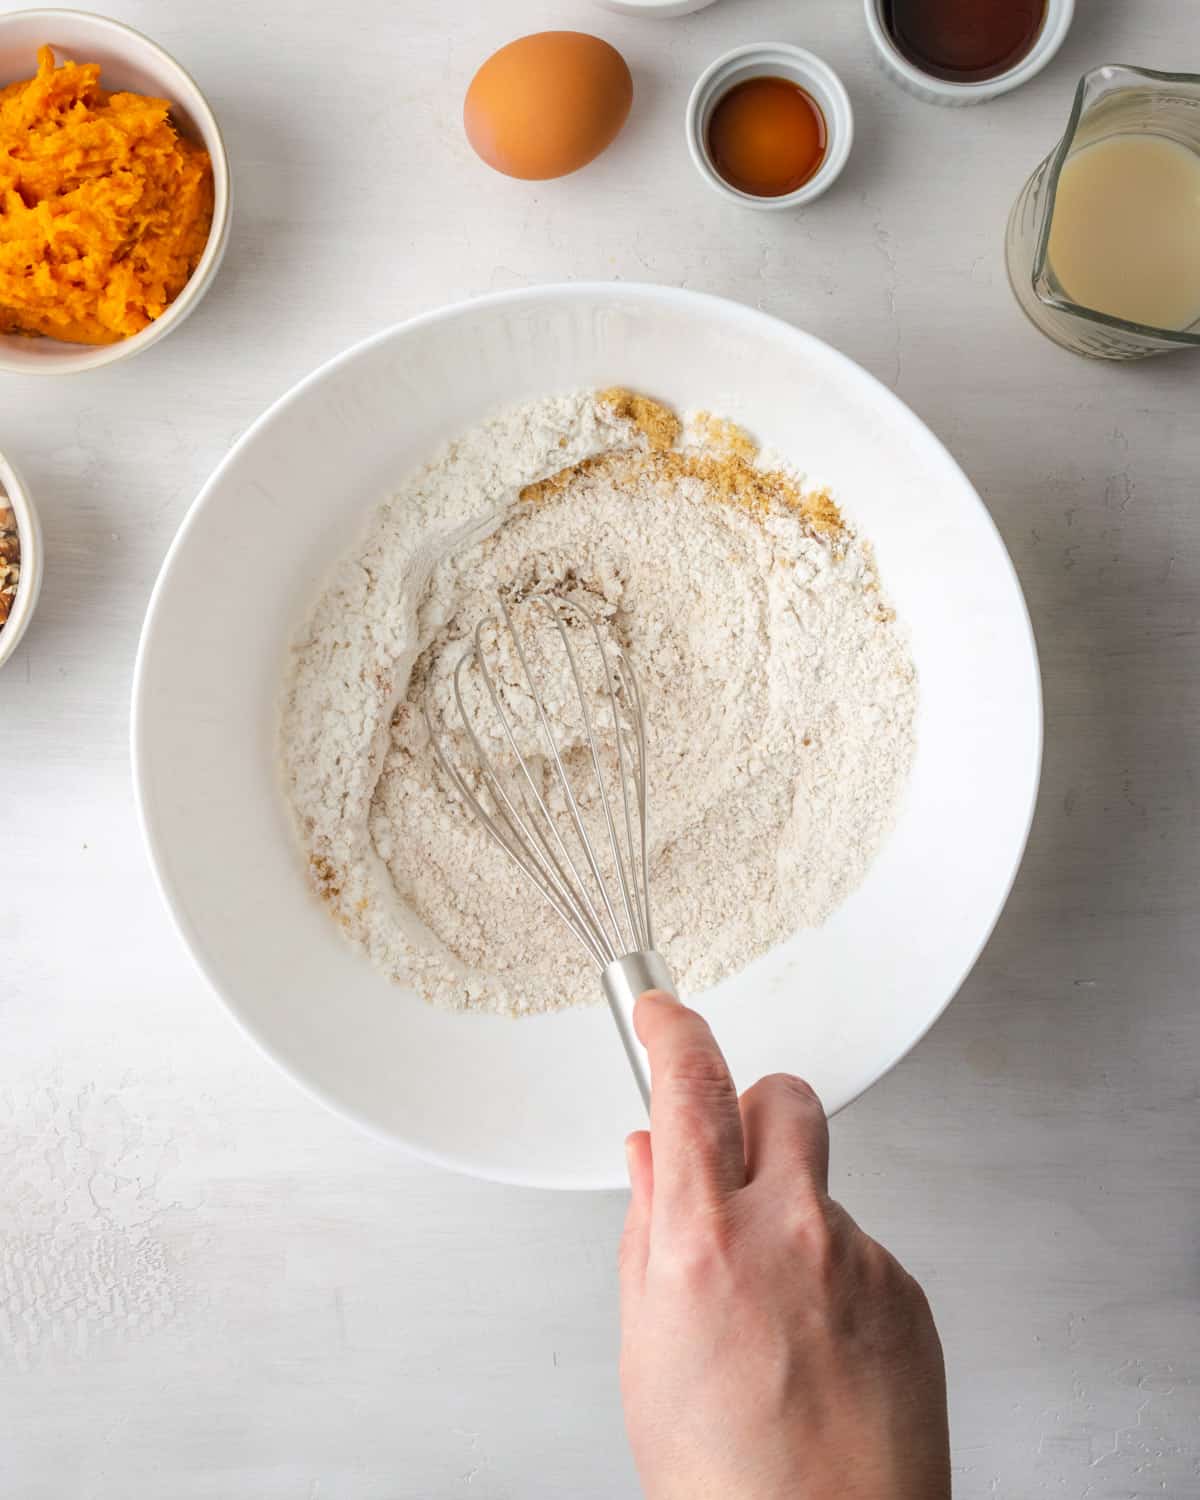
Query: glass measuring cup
{"x": 1112, "y": 100}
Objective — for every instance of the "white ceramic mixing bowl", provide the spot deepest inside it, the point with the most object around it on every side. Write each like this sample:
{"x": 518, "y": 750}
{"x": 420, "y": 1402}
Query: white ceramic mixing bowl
{"x": 548, "y": 1100}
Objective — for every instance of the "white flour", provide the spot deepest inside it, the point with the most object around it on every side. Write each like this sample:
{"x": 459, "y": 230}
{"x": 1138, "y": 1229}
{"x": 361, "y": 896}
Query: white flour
{"x": 780, "y": 703}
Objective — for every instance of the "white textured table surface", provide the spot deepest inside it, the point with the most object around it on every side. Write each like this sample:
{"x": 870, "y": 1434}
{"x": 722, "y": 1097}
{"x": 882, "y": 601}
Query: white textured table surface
{"x": 211, "y": 1288}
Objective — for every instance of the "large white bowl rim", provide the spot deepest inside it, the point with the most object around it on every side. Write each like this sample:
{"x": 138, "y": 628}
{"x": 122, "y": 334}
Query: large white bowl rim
{"x": 546, "y": 1101}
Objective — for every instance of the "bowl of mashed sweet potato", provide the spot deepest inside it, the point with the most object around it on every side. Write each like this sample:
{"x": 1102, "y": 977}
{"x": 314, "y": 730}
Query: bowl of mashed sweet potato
{"x": 114, "y": 192}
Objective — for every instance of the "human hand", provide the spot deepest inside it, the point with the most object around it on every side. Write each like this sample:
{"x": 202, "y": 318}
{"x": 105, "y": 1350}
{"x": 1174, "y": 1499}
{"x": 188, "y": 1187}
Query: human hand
{"x": 770, "y": 1349}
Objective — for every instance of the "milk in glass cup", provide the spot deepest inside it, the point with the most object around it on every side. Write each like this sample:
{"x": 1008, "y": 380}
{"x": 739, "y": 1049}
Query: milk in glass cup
{"x": 1103, "y": 244}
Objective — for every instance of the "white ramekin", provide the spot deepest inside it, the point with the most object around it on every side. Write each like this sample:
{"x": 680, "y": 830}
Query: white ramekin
{"x": 772, "y": 60}
{"x": 15, "y": 495}
{"x": 128, "y": 60}
{"x": 1059, "y": 14}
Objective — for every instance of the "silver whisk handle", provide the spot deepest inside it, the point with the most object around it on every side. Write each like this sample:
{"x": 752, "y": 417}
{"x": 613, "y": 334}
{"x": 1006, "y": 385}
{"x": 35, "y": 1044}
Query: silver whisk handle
{"x": 623, "y": 981}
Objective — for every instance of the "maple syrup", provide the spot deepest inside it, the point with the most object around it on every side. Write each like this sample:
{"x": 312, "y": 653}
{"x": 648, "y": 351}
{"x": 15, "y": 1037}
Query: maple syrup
{"x": 964, "y": 41}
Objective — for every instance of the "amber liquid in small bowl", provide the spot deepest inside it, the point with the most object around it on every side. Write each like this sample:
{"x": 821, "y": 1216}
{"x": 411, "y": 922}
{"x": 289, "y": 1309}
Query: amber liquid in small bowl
{"x": 767, "y": 137}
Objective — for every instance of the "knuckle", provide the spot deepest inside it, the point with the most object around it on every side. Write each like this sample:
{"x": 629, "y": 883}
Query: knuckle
{"x": 699, "y": 1070}
{"x": 876, "y": 1268}
{"x": 884, "y": 1279}
{"x": 903, "y": 1320}
{"x": 827, "y": 1240}
{"x": 788, "y": 1086}
{"x": 907, "y": 1291}
{"x": 710, "y": 1134}
{"x": 699, "y": 1258}
{"x": 883, "y": 1273}
{"x": 816, "y": 1240}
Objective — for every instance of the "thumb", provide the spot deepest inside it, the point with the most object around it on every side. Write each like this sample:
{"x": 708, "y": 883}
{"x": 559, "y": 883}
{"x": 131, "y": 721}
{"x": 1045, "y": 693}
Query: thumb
{"x": 635, "y": 1241}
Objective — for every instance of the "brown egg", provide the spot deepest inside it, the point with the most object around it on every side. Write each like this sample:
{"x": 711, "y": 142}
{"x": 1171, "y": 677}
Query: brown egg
{"x": 545, "y": 105}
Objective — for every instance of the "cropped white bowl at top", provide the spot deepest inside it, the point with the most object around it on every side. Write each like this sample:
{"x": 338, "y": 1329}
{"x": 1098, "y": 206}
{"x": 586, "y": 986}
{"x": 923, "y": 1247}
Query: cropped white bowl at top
{"x": 659, "y": 9}
{"x": 128, "y": 60}
{"x": 547, "y": 1100}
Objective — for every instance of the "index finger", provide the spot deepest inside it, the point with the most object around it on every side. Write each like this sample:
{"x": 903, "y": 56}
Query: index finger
{"x": 695, "y": 1123}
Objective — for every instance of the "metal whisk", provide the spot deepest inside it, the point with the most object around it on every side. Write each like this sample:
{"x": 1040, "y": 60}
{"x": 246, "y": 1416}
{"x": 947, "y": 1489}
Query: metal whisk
{"x": 607, "y": 910}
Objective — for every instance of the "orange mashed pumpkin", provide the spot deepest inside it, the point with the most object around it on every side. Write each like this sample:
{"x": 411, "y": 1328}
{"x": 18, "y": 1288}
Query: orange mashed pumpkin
{"x": 104, "y": 209}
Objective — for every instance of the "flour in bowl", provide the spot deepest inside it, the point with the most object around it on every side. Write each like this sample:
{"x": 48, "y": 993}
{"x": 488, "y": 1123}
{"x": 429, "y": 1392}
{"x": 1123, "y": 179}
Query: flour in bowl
{"x": 780, "y": 696}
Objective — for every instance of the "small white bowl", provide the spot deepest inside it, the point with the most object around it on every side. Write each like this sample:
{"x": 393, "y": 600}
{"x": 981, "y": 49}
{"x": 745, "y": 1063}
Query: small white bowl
{"x": 656, "y": 8}
{"x": 772, "y": 60}
{"x": 1057, "y": 22}
{"x": 15, "y": 496}
{"x": 130, "y": 61}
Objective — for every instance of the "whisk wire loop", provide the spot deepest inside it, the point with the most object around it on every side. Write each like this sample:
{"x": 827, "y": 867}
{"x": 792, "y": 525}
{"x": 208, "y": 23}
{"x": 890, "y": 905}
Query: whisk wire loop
{"x": 594, "y": 751}
{"x": 634, "y": 694}
{"x": 560, "y": 770}
{"x": 506, "y": 830}
{"x": 573, "y": 886}
{"x": 519, "y": 819}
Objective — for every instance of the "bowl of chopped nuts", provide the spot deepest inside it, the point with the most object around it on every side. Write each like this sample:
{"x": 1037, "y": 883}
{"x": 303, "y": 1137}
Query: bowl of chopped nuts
{"x": 20, "y": 559}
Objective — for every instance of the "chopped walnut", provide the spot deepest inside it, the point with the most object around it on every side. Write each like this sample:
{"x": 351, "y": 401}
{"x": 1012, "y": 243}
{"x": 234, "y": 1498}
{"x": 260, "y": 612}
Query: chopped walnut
{"x": 10, "y": 561}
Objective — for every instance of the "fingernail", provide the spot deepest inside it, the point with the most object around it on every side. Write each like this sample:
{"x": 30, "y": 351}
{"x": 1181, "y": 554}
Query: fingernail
{"x": 661, "y": 995}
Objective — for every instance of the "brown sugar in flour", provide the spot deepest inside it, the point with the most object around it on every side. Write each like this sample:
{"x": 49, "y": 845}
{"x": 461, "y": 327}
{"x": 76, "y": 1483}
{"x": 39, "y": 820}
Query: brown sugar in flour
{"x": 780, "y": 696}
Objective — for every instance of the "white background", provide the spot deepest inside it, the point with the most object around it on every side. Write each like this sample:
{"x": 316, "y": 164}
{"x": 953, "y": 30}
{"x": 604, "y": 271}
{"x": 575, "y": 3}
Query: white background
{"x": 211, "y": 1288}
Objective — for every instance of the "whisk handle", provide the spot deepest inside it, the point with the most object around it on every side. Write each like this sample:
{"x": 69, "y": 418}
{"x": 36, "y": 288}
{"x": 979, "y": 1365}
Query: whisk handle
{"x": 623, "y": 981}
